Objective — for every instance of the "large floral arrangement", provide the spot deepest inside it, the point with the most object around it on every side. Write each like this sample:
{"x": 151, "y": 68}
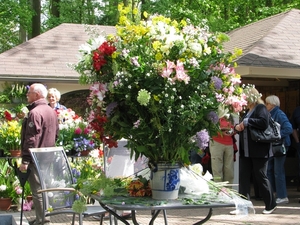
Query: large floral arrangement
{"x": 10, "y": 132}
{"x": 74, "y": 133}
{"x": 159, "y": 83}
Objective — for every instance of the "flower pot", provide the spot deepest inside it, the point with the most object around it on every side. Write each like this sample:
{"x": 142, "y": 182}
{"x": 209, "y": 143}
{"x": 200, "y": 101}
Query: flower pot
{"x": 5, "y": 204}
{"x": 15, "y": 153}
{"x": 29, "y": 198}
{"x": 85, "y": 153}
{"x": 165, "y": 181}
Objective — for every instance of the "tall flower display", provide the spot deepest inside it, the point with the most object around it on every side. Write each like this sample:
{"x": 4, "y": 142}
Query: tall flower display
{"x": 159, "y": 83}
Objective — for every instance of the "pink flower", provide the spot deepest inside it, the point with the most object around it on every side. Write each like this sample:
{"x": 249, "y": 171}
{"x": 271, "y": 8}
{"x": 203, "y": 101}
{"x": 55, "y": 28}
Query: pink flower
{"x": 18, "y": 190}
{"x": 180, "y": 73}
{"x": 78, "y": 130}
{"x": 168, "y": 70}
{"x": 86, "y": 131}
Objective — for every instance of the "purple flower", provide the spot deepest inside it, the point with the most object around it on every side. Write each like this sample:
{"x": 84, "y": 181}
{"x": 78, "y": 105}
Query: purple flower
{"x": 110, "y": 108}
{"x": 134, "y": 61}
{"x": 202, "y": 139}
{"x": 217, "y": 82}
{"x": 136, "y": 124}
{"x": 213, "y": 117}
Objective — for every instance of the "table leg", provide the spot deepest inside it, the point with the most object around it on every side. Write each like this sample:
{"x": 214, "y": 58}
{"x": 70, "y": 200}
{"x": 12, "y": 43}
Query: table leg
{"x": 205, "y": 219}
{"x": 115, "y": 214}
{"x": 133, "y": 215}
{"x": 154, "y": 215}
{"x": 165, "y": 217}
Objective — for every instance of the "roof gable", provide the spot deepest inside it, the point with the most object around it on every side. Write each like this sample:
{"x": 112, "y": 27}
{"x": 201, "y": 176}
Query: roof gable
{"x": 47, "y": 56}
{"x": 271, "y": 42}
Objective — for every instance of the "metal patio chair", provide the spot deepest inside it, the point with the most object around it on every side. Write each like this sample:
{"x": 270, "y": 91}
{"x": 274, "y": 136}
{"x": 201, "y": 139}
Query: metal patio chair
{"x": 56, "y": 181}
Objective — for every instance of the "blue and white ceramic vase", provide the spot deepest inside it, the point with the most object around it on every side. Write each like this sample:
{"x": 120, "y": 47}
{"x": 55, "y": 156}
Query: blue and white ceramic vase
{"x": 165, "y": 180}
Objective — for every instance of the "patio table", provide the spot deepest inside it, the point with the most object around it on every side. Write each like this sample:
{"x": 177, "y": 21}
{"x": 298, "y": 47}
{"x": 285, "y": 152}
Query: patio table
{"x": 133, "y": 204}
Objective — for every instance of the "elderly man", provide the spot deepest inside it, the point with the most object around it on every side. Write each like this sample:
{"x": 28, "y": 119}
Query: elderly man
{"x": 39, "y": 129}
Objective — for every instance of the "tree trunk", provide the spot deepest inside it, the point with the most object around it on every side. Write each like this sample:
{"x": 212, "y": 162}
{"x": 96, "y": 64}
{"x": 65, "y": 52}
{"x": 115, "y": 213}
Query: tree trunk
{"x": 55, "y": 8}
{"x": 36, "y": 19}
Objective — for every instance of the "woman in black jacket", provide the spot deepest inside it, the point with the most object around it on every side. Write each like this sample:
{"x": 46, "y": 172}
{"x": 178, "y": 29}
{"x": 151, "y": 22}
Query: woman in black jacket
{"x": 254, "y": 155}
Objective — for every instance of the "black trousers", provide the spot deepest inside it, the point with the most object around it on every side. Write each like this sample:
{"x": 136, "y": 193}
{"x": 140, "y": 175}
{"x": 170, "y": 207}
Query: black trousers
{"x": 258, "y": 168}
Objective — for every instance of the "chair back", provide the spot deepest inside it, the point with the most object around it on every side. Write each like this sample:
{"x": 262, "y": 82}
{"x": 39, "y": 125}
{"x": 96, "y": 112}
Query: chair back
{"x": 54, "y": 171}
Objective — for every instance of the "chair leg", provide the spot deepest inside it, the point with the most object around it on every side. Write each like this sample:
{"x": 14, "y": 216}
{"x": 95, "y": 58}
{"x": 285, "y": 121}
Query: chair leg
{"x": 80, "y": 219}
{"x": 73, "y": 219}
{"x": 101, "y": 218}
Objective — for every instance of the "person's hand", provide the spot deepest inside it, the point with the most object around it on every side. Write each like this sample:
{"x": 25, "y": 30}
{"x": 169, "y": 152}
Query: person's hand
{"x": 239, "y": 127}
{"x": 23, "y": 168}
{"x": 298, "y": 146}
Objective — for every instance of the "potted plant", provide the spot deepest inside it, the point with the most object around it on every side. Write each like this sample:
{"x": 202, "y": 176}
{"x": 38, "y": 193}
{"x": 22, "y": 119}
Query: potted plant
{"x": 6, "y": 185}
{"x": 10, "y": 135}
{"x": 15, "y": 91}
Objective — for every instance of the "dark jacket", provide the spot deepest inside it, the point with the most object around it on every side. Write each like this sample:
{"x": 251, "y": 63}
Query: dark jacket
{"x": 39, "y": 129}
{"x": 285, "y": 126}
{"x": 259, "y": 118}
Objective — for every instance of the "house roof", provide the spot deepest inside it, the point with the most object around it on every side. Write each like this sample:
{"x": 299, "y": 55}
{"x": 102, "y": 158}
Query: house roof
{"x": 271, "y": 48}
{"x": 46, "y": 57}
{"x": 273, "y": 42}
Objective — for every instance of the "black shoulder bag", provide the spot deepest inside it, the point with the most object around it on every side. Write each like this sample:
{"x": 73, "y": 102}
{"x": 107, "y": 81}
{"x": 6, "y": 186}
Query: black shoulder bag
{"x": 278, "y": 148}
{"x": 269, "y": 135}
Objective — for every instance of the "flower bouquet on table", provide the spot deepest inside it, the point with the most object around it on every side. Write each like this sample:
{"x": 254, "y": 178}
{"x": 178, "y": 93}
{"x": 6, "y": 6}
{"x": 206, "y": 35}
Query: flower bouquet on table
{"x": 158, "y": 83}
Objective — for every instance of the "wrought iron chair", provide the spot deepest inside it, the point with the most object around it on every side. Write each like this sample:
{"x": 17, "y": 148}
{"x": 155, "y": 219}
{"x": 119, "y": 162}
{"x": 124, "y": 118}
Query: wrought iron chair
{"x": 56, "y": 181}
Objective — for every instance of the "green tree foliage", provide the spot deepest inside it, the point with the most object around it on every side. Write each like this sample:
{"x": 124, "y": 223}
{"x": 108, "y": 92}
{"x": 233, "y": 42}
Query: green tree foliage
{"x": 14, "y": 15}
{"x": 219, "y": 15}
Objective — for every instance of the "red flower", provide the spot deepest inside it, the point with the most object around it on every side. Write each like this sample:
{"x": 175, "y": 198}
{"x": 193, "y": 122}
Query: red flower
{"x": 7, "y": 116}
{"x": 107, "y": 49}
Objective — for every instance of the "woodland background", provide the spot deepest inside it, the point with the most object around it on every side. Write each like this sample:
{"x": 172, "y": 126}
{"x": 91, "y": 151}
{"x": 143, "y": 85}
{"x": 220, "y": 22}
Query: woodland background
{"x": 21, "y": 20}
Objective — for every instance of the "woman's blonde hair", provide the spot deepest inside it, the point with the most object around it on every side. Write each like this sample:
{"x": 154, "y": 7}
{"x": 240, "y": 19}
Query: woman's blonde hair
{"x": 252, "y": 95}
{"x": 55, "y": 92}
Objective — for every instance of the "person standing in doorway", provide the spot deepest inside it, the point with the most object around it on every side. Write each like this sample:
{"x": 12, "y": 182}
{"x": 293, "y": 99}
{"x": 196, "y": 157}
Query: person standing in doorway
{"x": 222, "y": 152}
{"x": 295, "y": 121}
{"x": 254, "y": 155}
{"x": 39, "y": 129}
{"x": 276, "y": 172}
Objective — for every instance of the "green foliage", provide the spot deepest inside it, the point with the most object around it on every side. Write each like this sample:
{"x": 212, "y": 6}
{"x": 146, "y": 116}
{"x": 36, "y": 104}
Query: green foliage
{"x": 13, "y": 16}
{"x": 221, "y": 15}
{"x": 16, "y": 90}
{"x": 8, "y": 182}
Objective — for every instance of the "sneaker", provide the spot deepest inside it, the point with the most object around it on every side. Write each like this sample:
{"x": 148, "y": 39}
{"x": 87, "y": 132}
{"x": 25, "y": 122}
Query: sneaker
{"x": 269, "y": 211}
{"x": 282, "y": 200}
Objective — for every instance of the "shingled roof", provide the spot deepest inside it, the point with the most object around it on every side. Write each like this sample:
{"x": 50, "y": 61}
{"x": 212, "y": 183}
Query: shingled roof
{"x": 46, "y": 57}
{"x": 271, "y": 46}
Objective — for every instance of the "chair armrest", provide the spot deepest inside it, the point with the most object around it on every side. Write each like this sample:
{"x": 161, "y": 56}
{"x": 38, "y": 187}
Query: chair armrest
{"x": 56, "y": 189}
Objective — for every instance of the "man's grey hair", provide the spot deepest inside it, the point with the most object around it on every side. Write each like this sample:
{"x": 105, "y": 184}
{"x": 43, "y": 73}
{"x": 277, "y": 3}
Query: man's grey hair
{"x": 40, "y": 88}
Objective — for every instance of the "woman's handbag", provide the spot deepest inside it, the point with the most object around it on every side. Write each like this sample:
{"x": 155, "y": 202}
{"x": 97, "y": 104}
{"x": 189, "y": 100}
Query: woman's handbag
{"x": 278, "y": 149}
{"x": 269, "y": 135}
